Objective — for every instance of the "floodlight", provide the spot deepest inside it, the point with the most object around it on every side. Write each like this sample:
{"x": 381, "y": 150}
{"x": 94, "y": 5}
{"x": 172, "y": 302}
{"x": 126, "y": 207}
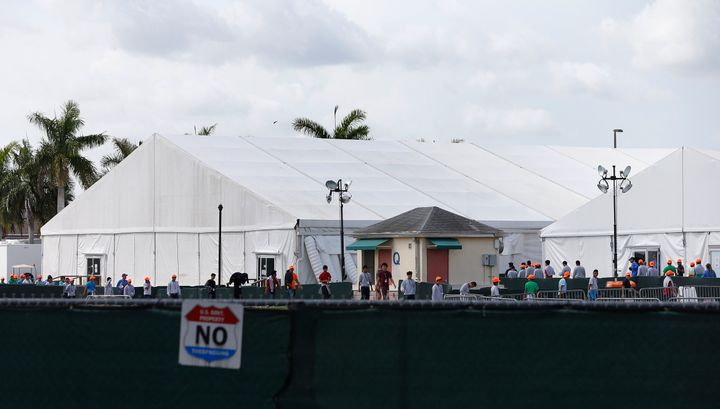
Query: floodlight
{"x": 329, "y": 197}
{"x": 331, "y": 184}
{"x": 626, "y": 187}
{"x": 345, "y": 197}
{"x": 347, "y": 185}
{"x": 603, "y": 186}
{"x": 626, "y": 172}
{"x": 602, "y": 171}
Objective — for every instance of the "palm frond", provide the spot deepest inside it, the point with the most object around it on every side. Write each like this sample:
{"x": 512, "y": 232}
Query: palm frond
{"x": 84, "y": 169}
{"x": 359, "y": 133}
{"x": 310, "y": 127}
{"x": 91, "y": 141}
{"x": 354, "y": 117}
{"x": 207, "y": 130}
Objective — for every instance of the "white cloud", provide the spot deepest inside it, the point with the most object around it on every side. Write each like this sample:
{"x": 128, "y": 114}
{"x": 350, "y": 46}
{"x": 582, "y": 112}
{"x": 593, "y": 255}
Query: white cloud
{"x": 583, "y": 77}
{"x": 512, "y": 121}
{"x": 677, "y": 33}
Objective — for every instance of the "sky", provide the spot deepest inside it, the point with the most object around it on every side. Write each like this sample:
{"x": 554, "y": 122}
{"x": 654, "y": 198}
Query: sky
{"x": 493, "y": 72}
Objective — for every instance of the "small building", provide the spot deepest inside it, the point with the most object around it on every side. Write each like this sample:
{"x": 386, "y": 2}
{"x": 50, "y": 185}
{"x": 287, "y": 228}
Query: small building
{"x": 430, "y": 242}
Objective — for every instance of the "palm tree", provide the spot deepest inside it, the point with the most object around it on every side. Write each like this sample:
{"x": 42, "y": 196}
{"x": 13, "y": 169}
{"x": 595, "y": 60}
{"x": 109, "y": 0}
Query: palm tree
{"x": 206, "y": 130}
{"x": 61, "y": 149}
{"x": 351, "y": 127}
{"x": 22, "y": 186}
{"x": 123, "y": 148}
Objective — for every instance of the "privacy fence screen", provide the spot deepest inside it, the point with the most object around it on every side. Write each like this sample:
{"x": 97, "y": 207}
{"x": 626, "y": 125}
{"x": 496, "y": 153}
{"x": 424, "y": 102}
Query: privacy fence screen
{"x": 75, "y": 354}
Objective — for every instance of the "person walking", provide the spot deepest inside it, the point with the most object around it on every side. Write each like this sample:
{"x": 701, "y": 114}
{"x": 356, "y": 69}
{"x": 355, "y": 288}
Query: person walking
{"x": 565, "y": 268}
{"x": 237, "y": 279}
{"x": 325, "y": 278}
{"x": 271, "y": 284}
{"x": 562, "y": 285}
{"x": 511, "y": 267}
{"x": 652, "y": 271}
{"x": 709, "y": 272}
{"x": 512, "y": 273}
{"x": 69, "y": 290}
{"x": 384, "y": 279}
{"x": 90, "y": 287}
{"x": 364, "y": 285}
{"x": 438, "y": 292}
{"x": 549, "y": 270}
{"x": 523, "y": 271}
{"x": 173, "y": 287}
{"x": 642, "y": 268}
{"x": 699, "y": 270}
{"x": 538, "y": 272}
{"x": 408, "y": 287}
{"x": 292, "y": 283}
{"x": 129, "y": 290}
{"x": 593, "y": 286}
{"x": 680, "y": 269}
{"x": 634, "y": 267}
{"x": 495, "y": 290}
{"x": 668, "y": 285}
{"x": 531, "y": 287}
{"x": 210, "y": 287}
{"x": 147, "y": 288}
{"x": 107, "y": 289}
{"x": 465, "y": 288}
{"x": 122, "y": 282}
{"x": 669, "y": 267}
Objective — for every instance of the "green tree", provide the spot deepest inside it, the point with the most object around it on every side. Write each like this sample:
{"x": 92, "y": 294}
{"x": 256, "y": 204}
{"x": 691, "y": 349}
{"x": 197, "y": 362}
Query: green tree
{"x": 206, "y": 130}
{"x": 61, "y": 150}
{"x": 22, "y": 186}
{"x": 122, "y": 148}
{"x": 350, "y": 127}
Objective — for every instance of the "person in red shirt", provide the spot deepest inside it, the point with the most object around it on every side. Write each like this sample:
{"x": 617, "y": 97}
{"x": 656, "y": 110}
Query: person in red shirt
{"x": 384, "y": 279}
{"x": 325, "y": 278}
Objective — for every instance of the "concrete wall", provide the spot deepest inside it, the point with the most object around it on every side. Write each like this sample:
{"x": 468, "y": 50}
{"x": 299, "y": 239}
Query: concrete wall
{"x": 406, "y": 248}
{"x": 466, "y": 264}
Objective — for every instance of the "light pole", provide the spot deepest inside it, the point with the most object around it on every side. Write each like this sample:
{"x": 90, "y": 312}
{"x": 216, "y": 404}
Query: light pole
{"x": 625, "y": 185}
{"x": 220, "y": 208}
{"x": 615, "y": 132}
{"x": 343, "y": 197}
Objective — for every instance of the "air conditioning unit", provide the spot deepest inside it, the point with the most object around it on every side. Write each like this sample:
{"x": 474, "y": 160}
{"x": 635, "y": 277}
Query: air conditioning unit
{"x": 489, "y": 260}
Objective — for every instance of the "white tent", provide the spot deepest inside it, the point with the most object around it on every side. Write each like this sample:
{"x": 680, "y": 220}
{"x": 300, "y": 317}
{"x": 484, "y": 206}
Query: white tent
{"x": 156, "y": 213}
{"x": 670, "y": 213}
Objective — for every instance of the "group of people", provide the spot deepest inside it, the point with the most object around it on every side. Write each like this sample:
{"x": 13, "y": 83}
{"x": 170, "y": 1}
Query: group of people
{"x": 538, "y": 270}
{"x": 639, "y": 269}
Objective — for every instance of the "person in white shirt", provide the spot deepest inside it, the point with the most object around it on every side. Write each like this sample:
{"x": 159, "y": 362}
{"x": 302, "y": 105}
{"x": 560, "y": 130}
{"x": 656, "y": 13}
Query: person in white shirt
{"x": 562, "y": 285}
{"x": 147, "y": 288}
{"x": 579, "y": 271}
{"x": 668, "y": 286}
{"x": 465, "y": 288}
{"x": 438, "y": 293}
{"x": 69, "y": 290}
{"x": 495, "y": 290}
{"x": 173, "y": 287}
{"x": 565, "y": 268}
{"x": 364, "y": 284}
{"x": 408, "y": 287}
{"x": 129, "y": 290}
{"x": 108, "y": 288}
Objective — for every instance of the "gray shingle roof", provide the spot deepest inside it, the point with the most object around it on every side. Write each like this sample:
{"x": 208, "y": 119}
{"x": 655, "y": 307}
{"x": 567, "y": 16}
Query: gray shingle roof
{"x": 428, "y": 222}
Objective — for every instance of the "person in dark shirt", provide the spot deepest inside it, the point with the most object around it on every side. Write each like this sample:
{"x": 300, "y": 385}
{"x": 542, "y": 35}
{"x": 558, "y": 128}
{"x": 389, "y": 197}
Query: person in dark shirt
{"x": 384, "y": 279}
{"x": 237, "y": 279}
{"x": 210, "y": 286}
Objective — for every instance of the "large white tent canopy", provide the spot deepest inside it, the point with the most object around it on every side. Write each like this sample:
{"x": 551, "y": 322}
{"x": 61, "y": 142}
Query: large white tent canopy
{"x": 672, "y": 207}
{"x": 156, "y": 213}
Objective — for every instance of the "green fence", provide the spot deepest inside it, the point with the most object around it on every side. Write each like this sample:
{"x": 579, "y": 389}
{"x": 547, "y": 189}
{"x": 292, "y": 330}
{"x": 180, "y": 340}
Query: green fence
{"x": 356, "y": 357}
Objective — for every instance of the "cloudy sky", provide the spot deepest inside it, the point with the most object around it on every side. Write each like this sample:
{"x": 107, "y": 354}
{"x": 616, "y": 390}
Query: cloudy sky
{"x": 515, "y": 72}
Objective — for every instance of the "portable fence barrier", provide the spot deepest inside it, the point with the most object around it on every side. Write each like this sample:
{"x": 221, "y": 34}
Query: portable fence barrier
{"x": 460, "y": 297}
{"x": 557, "y": 295}
{"x": 516, "y": 297}
{"x": 629, "y": 299}
{"x": 617, "y": 293}
{"x": 661, "y": 293}
{"x": 705, "y": 291}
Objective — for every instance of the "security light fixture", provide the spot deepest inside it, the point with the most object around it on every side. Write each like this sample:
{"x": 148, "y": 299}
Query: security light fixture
{"x": 604, "y": 186}
{"x": 331, "y": 184}
{"x": 343, "y": 198}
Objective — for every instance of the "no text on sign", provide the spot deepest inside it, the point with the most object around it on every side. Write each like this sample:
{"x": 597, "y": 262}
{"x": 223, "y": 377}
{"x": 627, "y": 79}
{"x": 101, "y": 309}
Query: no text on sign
{"x": 211, "y": 334}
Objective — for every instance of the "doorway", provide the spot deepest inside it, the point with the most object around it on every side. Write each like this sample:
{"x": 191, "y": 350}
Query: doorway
{"x": 93, "y": 266}
{"x": 438, "y": 265}
{"x": 648, "y": 254}
{"x": 265, "y": 266}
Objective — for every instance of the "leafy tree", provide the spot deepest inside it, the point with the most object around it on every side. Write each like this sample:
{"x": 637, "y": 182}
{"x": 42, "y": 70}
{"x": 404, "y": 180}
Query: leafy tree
{"x": 22, "y": 186}
{"x": 122, "y": 149}
{"x": 350, "y": 127}
{"x": 61, "y": 150}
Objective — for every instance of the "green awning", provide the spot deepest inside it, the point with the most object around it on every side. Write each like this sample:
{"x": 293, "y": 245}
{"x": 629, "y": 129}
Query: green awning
{"x": 447, "y": 244}
{"x": 366, "y": 244}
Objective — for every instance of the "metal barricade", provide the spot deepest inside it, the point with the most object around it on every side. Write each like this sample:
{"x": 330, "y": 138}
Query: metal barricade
{"x": 617, "y": 293}
{"x": 568, "y": 295}
{"x": 661, "y": 293}
{"x": 459, "y": 297}
{"x": 699, "y": 291}
{"x": 627, "y": 299}
{"x": 516, "y": 297}
{"x": 501, "y": 299}
{"x": 100, "y": 296}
